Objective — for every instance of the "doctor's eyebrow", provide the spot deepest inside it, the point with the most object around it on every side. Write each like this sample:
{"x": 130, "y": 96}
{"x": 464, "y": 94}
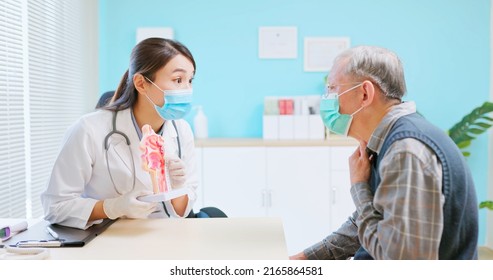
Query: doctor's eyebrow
{"x": 179, "y": 70}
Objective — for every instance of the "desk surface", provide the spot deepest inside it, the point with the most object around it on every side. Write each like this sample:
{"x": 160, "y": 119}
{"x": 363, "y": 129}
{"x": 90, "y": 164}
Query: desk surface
{"x": 185, "y": 239}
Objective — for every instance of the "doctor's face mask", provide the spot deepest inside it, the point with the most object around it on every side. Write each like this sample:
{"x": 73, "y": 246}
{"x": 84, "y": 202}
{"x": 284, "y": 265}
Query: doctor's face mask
{"x": 177, "y": 103}
{"x": 329, "y": 111}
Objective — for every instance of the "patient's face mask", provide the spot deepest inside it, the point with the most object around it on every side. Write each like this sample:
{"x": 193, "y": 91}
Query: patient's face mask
{"x": 177, "y": 103}
{"x": 329, "y": 111}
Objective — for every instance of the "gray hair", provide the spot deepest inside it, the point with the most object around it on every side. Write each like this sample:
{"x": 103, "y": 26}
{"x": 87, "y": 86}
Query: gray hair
{"x": 377, "y": 64}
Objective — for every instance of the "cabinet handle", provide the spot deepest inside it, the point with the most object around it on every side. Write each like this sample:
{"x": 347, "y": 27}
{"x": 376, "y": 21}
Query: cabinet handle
{"x": 269, "y": 197}
{"x": 263, "y": 197}
{"x": 334, "y": 191}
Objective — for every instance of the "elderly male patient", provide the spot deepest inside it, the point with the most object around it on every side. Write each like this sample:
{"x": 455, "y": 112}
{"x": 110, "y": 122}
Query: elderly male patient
{"x": 413, "y": 191}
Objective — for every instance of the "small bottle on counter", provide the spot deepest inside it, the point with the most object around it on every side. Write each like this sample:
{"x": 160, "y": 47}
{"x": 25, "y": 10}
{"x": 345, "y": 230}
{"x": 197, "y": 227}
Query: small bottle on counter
{"x": 200, "y": 124}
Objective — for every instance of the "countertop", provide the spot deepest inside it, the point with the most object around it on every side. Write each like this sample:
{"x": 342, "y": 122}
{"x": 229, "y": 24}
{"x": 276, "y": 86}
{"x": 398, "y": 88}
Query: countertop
{"x": 259, "y": 142}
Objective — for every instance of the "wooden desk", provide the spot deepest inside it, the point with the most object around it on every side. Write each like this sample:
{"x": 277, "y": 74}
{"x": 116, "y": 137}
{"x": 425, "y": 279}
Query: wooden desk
{"x": 185, "y": 239}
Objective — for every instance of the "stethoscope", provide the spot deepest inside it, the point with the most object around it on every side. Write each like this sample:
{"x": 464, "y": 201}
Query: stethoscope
{"x": 127, "y": 140}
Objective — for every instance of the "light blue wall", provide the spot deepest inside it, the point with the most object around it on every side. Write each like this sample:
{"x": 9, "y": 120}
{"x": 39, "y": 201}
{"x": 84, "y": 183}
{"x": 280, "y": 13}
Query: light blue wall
{"x": 444, "y": 45}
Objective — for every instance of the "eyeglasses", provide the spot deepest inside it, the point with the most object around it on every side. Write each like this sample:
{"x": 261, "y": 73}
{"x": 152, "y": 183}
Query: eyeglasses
{"x": 331, "y": 88}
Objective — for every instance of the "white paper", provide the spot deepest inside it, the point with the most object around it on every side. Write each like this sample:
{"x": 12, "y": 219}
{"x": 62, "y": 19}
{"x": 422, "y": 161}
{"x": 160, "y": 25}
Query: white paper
{"x": 320, "y": 52}
{"x": 278, "y": 42}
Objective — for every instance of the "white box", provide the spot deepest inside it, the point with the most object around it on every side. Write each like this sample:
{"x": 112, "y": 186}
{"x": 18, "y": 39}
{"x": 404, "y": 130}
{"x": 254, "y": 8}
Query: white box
{"x": 301, "y": 127}
{"x": 286, "y": 127}
{"x": 316, "y": 127}
{"x": 270, "y": 129}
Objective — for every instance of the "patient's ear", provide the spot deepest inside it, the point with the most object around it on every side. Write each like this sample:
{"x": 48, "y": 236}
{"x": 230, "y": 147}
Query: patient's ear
{"x": 368, "y": 93}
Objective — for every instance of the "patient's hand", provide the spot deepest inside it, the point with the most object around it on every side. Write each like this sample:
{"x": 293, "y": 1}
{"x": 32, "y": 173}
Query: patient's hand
{"x": 299, "y": 256}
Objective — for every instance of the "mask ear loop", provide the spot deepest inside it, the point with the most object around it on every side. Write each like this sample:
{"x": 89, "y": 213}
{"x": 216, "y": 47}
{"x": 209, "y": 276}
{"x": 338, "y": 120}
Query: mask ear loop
{"x": 154, "y": 84}
{"x": 357, "y": 111}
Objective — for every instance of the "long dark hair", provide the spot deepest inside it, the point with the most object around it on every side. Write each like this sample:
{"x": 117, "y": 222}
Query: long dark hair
{"x": 147, "y": 58}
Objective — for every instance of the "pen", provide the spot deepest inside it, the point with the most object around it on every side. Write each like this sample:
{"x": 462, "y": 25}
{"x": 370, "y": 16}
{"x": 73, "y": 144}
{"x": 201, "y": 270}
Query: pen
{"x": 39, "y": 243}
{"x": 52, "y": 232}
{"x": 48, "y": 243}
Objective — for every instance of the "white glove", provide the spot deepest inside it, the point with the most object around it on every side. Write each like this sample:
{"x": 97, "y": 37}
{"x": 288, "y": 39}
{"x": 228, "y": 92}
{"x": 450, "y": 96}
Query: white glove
{"x": 177, "y": 173}
{"x": 128, "y": 205}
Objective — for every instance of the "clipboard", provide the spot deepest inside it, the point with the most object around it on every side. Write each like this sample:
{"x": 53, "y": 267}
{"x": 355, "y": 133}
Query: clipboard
{"x": 38, "y": 235}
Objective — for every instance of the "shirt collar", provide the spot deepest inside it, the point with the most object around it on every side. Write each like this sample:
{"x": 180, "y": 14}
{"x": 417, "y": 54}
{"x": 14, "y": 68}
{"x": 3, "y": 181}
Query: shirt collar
{"x": 137, "y": 128}
{"x": 380, "y": 133}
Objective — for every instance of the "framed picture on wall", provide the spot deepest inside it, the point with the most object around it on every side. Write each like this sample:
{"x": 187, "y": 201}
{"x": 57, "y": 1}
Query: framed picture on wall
{"x": 319, "y": 52}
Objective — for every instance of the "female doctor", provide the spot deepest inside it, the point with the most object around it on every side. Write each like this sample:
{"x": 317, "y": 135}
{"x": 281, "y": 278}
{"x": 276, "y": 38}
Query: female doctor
{"x": 98, "y": 173}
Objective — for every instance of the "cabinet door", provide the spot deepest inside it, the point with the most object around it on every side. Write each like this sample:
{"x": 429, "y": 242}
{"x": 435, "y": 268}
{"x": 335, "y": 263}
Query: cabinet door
{"x": 298, "y": 179}
{"x": 234, "y": 180}
{"x": 342, "y": 205}
{"x": 200, "y": 198}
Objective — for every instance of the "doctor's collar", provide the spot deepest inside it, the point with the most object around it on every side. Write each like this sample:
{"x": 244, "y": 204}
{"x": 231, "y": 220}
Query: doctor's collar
{"x": 139, "y": 130}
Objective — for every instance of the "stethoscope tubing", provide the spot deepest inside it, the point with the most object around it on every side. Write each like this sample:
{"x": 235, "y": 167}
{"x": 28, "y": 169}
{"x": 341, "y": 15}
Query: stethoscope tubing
{"x": 127, "y": 141}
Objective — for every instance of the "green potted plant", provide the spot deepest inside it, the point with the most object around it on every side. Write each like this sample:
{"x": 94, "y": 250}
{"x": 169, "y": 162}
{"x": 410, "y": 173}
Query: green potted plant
{"x": 467, "y": 129}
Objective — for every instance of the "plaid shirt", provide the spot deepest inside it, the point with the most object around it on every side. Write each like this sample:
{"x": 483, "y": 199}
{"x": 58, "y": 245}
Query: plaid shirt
{"x": 404, "y": 219}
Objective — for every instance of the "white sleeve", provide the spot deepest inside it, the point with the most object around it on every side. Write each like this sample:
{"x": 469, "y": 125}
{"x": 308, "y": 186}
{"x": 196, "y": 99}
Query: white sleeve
{"x": 62, "y": 200}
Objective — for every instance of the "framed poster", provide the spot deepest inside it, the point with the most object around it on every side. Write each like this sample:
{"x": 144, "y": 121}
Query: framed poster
{"x": 321, "y": 51}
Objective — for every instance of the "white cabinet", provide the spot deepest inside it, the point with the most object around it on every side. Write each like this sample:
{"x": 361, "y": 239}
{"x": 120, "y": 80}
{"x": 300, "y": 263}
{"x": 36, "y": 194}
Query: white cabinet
{"x": 233, "y": 179}
{"x": 199, "y": 203}
{"x": 308, "y": 187}
{"x": 298, "y": 180}
{"x": 341, "y": 202}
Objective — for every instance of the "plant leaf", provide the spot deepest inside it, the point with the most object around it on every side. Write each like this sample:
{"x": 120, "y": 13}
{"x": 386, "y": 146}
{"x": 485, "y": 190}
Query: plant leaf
{"x": 466, "y": 154}
{"x": 486, "y": 204}
{"x": 472, "y": 124}
{"x": 476, "y": 131}
{"x": 483, "y": 125}
{"x": 464, "y": 144}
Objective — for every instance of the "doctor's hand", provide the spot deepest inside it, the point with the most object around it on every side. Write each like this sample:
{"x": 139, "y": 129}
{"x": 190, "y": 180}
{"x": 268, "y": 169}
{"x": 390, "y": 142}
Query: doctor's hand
{"x": 177, "y": 173}
{"x": 128, "y": 205}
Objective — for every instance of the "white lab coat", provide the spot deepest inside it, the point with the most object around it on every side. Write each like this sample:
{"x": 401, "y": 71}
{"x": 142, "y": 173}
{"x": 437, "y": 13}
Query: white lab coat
{"x": 80, "y": 175}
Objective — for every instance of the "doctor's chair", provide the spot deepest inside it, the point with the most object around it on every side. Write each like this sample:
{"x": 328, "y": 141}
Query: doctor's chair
{"x": 206, "y": 212}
